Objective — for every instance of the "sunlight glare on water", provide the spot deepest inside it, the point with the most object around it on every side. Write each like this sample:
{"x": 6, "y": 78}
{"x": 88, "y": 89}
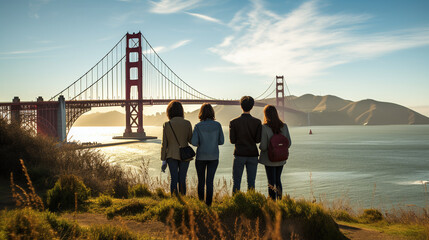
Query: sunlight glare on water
{"x": 353, "y": 161}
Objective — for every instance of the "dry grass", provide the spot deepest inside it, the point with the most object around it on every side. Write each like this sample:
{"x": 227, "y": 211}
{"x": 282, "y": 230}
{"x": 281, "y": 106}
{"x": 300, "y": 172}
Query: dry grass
{"x": 22, "y": 197}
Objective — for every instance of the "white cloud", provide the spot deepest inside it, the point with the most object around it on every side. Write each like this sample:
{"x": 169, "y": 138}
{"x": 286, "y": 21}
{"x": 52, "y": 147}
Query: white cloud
{"x": 172, "y": 6}
{"x": 180, "y": 44}
{"x": 31, "y": 51}
{"x": 305, "y": 42}
{"x": 205, "y": 17}
{"x": 160, "y": 49}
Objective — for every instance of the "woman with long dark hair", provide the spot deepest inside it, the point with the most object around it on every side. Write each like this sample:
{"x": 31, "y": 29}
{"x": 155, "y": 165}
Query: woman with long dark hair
{"x": 207, "y": 136}
{"x": 272, "y": 125}
{"x": 176, "y": 133}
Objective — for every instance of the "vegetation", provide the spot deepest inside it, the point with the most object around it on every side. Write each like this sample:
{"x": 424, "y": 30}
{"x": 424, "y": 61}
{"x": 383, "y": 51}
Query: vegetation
{"x": 68, "y": 193}
{"x": 65, "y": 175}
{"x": 47, "y": 160}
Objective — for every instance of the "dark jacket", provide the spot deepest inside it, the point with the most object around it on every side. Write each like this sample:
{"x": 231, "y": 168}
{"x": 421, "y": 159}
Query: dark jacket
{"x": 245, "y": 132}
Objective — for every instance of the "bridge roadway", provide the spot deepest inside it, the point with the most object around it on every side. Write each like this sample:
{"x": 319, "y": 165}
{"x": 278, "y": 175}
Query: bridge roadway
{"x": 120, "y": 102}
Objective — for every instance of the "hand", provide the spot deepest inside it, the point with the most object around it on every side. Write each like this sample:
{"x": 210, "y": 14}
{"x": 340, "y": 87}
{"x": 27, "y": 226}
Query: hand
{"x": 164, "y": 166}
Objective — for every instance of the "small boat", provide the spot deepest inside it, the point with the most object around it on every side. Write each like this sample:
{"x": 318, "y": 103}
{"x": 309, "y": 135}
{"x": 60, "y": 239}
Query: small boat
{"x": 310, "y": 132}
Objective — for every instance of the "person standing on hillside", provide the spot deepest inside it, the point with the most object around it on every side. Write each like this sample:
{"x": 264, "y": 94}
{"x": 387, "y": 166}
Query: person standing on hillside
{"x": 207, "y": 136}
{"x": 273, "y": 163}
{"x": 245, "y": 133}
{"x": 176, "y": 133}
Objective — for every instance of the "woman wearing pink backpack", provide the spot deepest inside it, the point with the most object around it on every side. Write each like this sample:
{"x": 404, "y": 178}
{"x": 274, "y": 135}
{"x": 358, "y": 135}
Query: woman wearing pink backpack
{"x": 274, "y": 146}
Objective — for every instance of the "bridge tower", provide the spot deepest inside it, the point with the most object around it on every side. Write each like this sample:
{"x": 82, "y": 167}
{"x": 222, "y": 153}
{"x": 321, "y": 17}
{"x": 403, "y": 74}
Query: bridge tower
{"x": 134, "y": 80}
{"x": 280, "y": 96}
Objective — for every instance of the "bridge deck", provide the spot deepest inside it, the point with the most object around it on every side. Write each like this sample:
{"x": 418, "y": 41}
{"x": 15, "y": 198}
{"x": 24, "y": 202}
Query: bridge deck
{"x": 120, "y": 102}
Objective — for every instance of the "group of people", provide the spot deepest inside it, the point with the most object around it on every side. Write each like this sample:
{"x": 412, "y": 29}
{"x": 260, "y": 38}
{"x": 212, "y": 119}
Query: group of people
{"x": 245, "y": 132}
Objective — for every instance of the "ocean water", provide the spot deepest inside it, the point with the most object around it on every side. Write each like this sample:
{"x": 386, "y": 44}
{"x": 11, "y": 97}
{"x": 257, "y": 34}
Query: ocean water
{"x": 368, "y": 166}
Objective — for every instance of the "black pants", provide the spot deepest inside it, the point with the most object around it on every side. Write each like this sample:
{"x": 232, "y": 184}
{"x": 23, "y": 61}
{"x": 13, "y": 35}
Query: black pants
{"x": 274, "y": 181}
{"x": 201, "y": 166}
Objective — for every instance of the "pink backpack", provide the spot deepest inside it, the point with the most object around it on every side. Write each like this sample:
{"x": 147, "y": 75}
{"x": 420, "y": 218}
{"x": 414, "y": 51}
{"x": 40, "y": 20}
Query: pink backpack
{"x": 278, "y": 149}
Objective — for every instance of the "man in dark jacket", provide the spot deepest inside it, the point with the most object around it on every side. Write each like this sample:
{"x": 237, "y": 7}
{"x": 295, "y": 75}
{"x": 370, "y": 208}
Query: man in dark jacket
{"x": 245, "y": 132}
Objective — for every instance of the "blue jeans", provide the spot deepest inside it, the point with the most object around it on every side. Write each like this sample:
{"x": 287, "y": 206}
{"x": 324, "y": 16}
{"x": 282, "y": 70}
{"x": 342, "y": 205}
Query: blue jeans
{"x": 251, "y": 164}
{"x": 274, "y": 181}
{"x": 201, "y": 166}
{"x": 178, "y": 171}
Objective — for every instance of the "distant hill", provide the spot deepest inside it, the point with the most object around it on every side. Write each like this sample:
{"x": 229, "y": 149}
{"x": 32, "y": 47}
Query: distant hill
{"x": 316, "y": 110}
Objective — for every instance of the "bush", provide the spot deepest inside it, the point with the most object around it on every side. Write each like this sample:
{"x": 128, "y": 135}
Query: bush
{"x": 104, "y": 201}
{"x": 25, "y": 224}
{"x": 314, "y": 222}
{"x": 249, "y": 204}
{"x": 342, "y": 215}
{"x": 65, "y": 229}
{"x": 68, "y": 191}
{"x": 139, "y": 190}
{"x": 371, "y": 215}
{"x": 46, "y": 159}
{"x": 160, "y": 192}
{"x": 107, "y": 232}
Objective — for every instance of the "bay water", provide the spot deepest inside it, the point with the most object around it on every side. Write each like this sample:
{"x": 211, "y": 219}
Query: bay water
{"x": 368, "y": 166}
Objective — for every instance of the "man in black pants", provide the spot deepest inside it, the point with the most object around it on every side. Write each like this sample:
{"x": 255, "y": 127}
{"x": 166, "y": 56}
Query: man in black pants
{"x": 245, "y": 132}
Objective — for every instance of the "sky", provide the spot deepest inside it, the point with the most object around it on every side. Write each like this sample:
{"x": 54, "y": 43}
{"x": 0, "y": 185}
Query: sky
{"x": 227, "y": 48}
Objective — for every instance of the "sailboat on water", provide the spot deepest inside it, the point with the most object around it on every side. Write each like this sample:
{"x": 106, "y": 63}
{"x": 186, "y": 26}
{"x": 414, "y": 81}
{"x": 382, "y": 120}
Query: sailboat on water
{"x": 308, "y": 123}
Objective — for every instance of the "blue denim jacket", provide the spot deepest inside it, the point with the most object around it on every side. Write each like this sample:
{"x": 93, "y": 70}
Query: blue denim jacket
{"x": 207, "y": 136}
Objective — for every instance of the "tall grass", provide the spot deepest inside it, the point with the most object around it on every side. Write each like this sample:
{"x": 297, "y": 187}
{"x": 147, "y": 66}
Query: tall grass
{"x": 47, "y": 160}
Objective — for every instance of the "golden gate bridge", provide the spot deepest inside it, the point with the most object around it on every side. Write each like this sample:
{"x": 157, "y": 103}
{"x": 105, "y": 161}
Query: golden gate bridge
{"x": 131, "y": 75}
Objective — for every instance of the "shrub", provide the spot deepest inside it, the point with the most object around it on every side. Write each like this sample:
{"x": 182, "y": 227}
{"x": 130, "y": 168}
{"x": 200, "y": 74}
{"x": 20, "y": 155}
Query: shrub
{"x": 65, "y": 229}
{"x": 313, "y": 221}
{"x": 25, "y": 224}
{"x": 371, "y": 215}
{"x": 139, "y": 190}
{"x": 160, "y": 192}
{"x": 104, "y": 201}
{"x": 342, "y": 215}
{"x": 107, "y": 232}
{"x": 68, "y": 191}
{"x": 46, "y": 159}
{"x": 249, "y": 204}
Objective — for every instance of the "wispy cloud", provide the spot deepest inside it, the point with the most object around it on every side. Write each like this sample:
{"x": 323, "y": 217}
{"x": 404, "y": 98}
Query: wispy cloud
{"x": 35, "y": 6}
{"x": 205, "y": 17}
{"x": 172, "y": 6}
{"x": 31, "y": 51}
{"x": 180, "y": 44}
{"x": 305, "y": 42}
{"x": 176, "y": 45}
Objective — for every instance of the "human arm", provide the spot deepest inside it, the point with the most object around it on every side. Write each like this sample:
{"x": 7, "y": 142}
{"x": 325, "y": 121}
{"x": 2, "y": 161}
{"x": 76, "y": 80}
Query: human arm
{"x": 258, "y": 132}
{"x": 164, "y": 144}
{"x": 195, "y": 140}
{"x": 264, "y": 140}
{"x": 232, "y": 135}
{"x": 221, "y": 137}
{"x": 189, "y": 132}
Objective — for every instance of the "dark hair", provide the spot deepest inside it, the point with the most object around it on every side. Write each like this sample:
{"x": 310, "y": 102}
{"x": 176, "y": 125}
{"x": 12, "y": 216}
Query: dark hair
{"x": 206, "y": 112}
{"x": 247, "y": 103}
{"x": 174, "y": 109}
{"x": 271, "y": 118}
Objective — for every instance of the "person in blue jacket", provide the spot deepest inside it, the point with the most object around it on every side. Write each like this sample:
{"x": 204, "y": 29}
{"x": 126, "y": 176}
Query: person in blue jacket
{"x": 207, "y": 137}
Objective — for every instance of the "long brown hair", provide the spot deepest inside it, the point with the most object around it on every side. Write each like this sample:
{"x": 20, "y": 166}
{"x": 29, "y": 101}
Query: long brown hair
{"x": 271, "y": 119}
{"x": 206, "y": 112}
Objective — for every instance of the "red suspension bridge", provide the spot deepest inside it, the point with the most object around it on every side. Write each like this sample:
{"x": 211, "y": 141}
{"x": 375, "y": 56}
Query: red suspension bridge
{"x": 130, "y": 75}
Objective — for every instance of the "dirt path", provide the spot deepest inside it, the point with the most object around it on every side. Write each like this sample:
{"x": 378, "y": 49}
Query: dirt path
{"x": 153, "y": 229}
{"x": 355, "y": 233}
